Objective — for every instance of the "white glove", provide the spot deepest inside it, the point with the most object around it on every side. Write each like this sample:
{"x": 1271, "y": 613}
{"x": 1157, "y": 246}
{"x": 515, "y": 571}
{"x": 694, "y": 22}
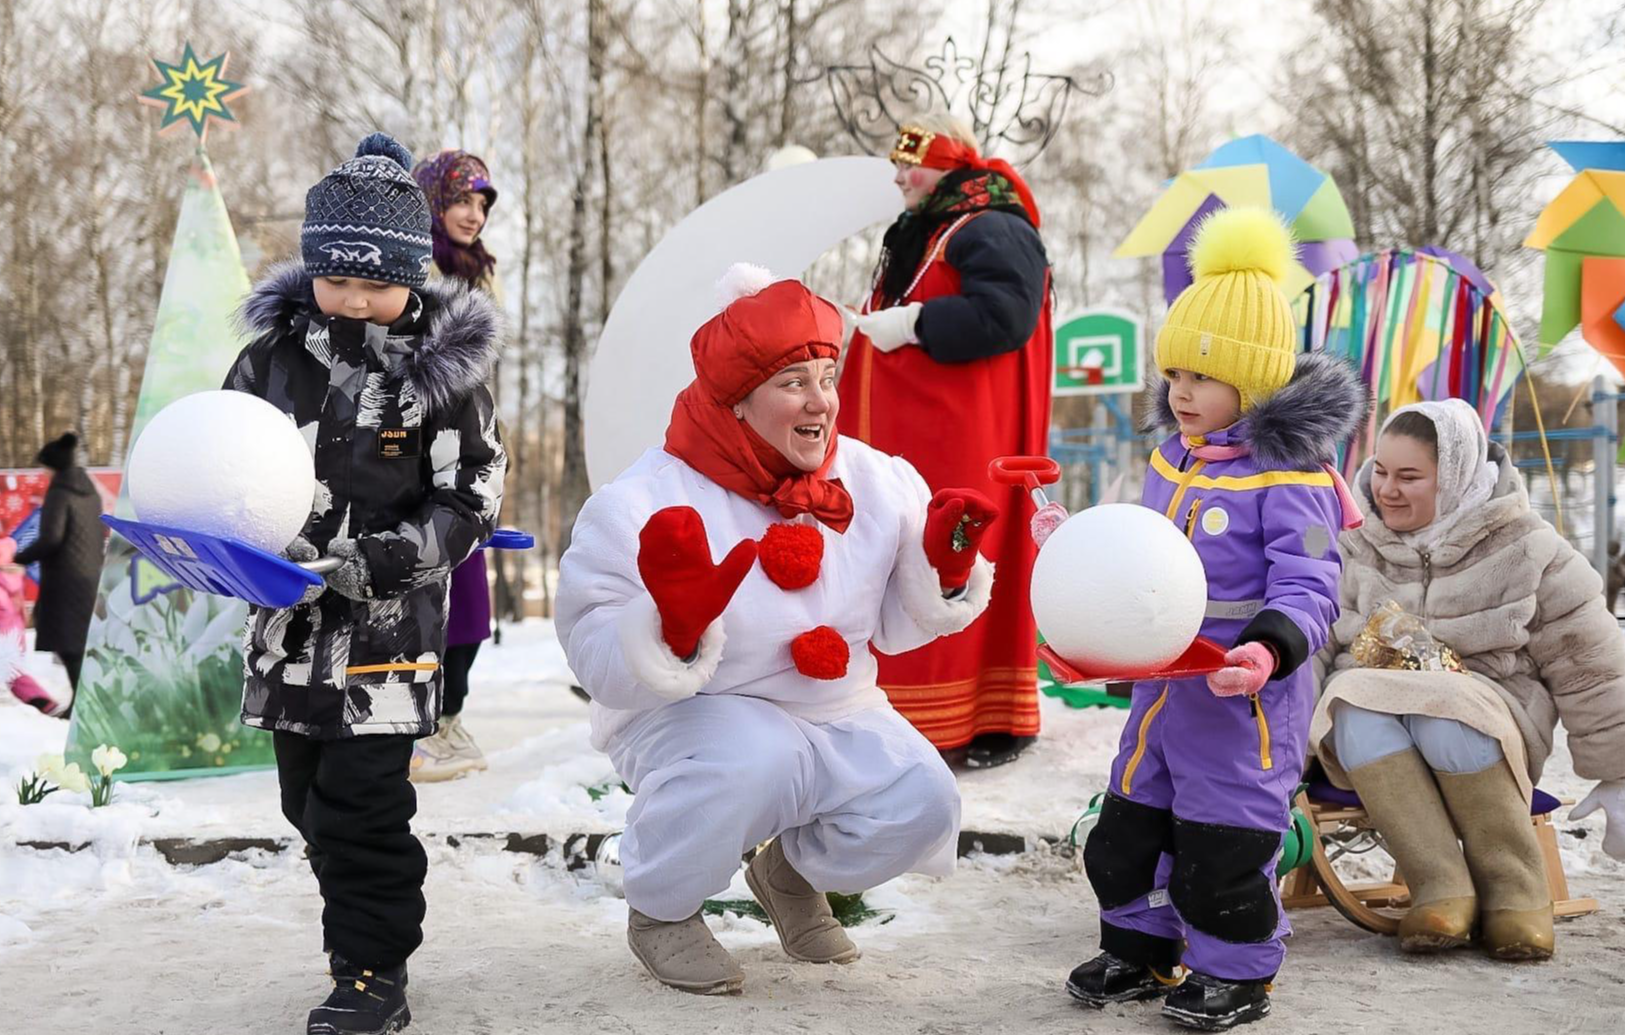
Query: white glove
{"x": 890, "y": 329}
{"x": 1609, "y": 795}
{"x": 1046, "y": 520}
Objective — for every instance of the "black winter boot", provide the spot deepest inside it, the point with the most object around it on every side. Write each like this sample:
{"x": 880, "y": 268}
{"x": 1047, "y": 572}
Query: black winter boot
{"x": 995, "y": 749}
{"x": 363, "y": 1002}
{"x": 1208, "y": 1003}
{"x": 1108, "y": 979}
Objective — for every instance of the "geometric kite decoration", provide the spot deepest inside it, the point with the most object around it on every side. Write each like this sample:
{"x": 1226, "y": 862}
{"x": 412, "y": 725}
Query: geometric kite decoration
{"x": 1582, "y": 232}
{"x": 1250, "y": 171}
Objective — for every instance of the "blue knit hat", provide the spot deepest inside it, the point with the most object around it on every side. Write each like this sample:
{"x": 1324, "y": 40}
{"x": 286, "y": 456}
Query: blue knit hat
{"x": 368, "y": 218}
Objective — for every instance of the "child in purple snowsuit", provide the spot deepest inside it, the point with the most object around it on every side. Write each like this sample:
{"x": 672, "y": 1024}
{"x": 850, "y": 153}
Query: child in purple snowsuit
{"x": 1183, "y": 857}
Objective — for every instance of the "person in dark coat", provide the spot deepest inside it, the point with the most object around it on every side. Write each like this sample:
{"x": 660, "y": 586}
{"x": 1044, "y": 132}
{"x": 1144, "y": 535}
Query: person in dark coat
{"x": 72, "y": 542}
{"x": 389, "y": 375}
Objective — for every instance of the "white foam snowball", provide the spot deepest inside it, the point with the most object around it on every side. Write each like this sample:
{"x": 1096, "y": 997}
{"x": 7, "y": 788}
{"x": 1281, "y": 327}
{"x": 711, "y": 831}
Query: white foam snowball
{"x": 1118, "y": 588}
{"x": 227, "y": 464}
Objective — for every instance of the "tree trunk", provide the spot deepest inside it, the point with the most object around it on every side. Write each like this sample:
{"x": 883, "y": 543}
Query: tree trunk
{"x": 792, "y": 39}
{"x": 1429, "y": 231}
{"x": 573, "y": 486}
{"x": 736, "y": 70}
{"x": 702, "y": 90}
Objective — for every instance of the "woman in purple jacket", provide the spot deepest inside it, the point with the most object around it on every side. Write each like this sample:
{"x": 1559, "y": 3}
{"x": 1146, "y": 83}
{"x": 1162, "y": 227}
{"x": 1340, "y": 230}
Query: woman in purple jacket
{"x": 458, "y": 186}
{"x": 1183, "y": 857}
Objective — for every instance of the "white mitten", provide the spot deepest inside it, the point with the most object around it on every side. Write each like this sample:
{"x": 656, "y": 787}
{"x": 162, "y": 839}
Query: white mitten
{"x": 1609, "y": 795}
{"x": 890, "y": 329}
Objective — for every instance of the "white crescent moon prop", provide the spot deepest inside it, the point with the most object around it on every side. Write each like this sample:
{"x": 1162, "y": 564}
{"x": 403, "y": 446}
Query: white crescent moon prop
{"x": 783, "y": 220}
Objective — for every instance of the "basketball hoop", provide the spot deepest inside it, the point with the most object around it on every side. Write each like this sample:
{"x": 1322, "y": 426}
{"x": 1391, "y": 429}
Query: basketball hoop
{"x": 1091, "y": 372}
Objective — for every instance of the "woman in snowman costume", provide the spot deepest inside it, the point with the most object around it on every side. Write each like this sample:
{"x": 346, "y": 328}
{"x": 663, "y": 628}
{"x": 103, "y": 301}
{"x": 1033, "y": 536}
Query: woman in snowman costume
{"x": 738, "y": 700}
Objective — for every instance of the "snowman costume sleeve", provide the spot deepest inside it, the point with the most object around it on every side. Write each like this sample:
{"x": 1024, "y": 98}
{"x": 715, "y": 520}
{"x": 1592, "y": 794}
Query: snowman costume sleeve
{"x": 608, "y": 623}
{"x": 915, "y": 611}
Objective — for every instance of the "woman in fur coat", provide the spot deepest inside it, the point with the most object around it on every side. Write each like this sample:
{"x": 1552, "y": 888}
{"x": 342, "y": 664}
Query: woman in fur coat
{"x": 1451, "y": 540}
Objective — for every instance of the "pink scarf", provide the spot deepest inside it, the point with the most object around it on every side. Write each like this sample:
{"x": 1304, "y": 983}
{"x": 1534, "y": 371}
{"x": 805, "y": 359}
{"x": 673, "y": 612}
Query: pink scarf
{"x": 1352, "y": 518}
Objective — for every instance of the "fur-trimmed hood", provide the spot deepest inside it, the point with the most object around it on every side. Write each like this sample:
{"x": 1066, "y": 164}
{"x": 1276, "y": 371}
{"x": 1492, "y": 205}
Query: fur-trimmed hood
{"x": 1299, "y": 427}
{"x": 454, "y": 355}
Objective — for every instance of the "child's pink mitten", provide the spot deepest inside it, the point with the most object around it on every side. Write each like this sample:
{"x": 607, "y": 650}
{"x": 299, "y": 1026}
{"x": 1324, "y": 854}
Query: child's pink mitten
{"x": 1048, "y": 518}
{"x": 1246, "y": 669}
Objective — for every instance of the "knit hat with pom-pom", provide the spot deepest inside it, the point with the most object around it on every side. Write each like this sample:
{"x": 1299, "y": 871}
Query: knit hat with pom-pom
{"x": 369, "y": 219}
{"x": 1233, "y": 323}
{"x": 765, "y": 325}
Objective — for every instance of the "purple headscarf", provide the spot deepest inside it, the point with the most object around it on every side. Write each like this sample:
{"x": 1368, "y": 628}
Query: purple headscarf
{"x": 445, "y": 178}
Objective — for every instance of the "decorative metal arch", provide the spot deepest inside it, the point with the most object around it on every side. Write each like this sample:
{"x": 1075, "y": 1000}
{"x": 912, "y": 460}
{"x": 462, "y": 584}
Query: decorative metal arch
{"x": 1013, "y": 110}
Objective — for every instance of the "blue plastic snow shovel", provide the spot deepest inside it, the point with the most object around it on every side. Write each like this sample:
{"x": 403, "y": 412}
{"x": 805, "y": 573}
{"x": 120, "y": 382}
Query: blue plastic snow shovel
{"x": 226, "y": 567}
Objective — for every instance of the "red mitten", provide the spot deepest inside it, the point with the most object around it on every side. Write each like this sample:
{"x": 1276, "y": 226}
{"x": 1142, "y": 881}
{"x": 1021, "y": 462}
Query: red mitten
{"x": 1246, "y": 669}
{"x": 689, "y": 591}
{"x": 955, "y": 523}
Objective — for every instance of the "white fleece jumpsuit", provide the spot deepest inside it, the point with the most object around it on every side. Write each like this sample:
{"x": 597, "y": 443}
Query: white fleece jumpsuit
{"x": 738, "y": 746}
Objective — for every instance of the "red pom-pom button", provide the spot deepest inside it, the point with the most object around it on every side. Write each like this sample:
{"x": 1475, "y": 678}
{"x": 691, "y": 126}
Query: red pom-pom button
{"x": 791, "y": 555}
{"x": 820, "y": 654}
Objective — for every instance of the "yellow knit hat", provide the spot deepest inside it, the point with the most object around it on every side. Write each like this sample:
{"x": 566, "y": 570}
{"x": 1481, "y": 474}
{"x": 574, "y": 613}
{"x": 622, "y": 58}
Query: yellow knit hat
{"x": 1233, "y": 323}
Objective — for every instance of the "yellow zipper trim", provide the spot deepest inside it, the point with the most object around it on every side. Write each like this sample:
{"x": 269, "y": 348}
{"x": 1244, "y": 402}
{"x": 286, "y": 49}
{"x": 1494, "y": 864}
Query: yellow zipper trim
{"x": 1184, "y": 484}
{"x": 1264, "y": 759}
{"x": 1190, "y": 518}
{"x": 1139, "y": 750}
{"x": 415, "y": 666}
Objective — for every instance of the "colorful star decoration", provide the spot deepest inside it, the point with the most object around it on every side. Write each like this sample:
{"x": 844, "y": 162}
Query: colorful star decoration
{"x": 193, "y": 92}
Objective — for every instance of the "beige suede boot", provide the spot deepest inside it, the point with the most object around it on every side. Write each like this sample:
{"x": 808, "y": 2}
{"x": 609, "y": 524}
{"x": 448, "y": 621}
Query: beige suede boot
{"x": 806, "y": 926}
{"x": 684, "y": 955}
{"x": 1403, "y": 801}
{"x": 1515, "y": 922}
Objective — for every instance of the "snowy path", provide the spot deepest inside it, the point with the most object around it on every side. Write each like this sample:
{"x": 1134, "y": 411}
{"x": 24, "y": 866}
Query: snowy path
{"x": 114, "y": 939}
{"x": 512, "y": 947}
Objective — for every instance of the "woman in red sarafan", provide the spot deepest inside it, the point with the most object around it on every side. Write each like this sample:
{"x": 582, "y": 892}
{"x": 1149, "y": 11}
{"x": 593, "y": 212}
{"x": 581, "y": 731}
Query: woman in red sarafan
{"x": 949, "y": 368}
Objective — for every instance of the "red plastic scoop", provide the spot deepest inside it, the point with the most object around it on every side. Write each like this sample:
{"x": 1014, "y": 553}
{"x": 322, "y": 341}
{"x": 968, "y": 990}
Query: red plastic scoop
{"x": 1200, "y": 658}
{"x": 1032, "y": 471}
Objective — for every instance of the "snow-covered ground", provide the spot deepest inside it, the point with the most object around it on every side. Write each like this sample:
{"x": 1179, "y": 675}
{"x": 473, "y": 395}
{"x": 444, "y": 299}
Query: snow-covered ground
{"x": 113, "y": 938}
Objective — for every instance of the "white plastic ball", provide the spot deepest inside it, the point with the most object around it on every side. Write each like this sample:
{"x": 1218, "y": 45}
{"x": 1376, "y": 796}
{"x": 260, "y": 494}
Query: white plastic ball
{"x": 227, "y": 464}
{"x": 1117, "y": 588}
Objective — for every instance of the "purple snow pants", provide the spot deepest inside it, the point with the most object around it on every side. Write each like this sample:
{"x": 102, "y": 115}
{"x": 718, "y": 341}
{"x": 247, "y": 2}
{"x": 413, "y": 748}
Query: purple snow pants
{"x": 1188, "y": 838}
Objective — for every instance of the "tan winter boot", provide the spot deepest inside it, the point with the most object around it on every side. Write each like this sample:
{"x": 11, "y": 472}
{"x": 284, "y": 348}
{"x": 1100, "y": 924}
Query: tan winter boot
{"x": 684, "y": 955}
{"x": 1403, "y": 801}
{"x": 448, "y": 754}
{"x": 1504, "y": 856}
{"x": 806, "y": 926}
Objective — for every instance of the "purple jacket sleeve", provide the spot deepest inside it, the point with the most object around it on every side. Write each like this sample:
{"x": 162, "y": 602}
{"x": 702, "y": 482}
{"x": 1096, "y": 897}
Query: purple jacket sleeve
{"x": 1299, "y": 525}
